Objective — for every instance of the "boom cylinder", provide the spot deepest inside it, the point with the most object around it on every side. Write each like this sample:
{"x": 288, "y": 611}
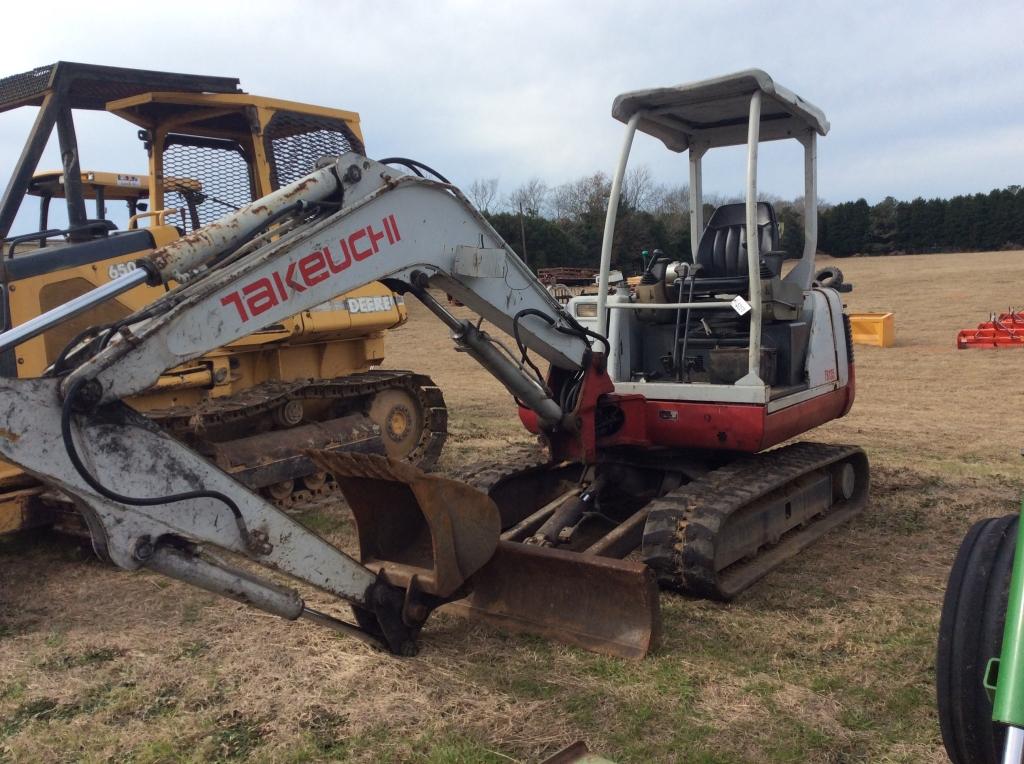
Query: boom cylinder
{"x": 179, "y": 258}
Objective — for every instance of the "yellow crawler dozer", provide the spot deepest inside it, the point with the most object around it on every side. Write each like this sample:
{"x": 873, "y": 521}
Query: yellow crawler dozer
{"x": 252, "y": 406}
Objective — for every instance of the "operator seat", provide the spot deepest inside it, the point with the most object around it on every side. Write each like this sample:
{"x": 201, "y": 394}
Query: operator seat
{"x": 722, "y": 251}
{"x": 722, "y": 256}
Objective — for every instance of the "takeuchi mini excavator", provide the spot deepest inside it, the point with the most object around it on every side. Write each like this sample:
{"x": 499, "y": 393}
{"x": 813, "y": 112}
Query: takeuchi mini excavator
{"x": 656, "y": 411}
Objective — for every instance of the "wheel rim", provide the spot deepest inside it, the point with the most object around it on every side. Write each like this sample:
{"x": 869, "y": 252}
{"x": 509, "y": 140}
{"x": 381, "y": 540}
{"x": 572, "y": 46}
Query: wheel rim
{"x": 398, "y": 415}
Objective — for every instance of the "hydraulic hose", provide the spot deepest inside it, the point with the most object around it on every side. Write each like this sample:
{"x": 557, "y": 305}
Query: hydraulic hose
{"x": 69, "y": 445}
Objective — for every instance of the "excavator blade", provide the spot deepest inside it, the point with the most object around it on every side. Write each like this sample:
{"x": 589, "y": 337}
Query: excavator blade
{"x": 421, "y": 530}
{"x": 601, "y": 604}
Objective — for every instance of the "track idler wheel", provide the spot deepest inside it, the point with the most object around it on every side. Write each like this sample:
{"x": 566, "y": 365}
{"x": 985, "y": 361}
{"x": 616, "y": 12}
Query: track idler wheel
{"x": 398, "y": 414}
{"x": 971, "y": 633}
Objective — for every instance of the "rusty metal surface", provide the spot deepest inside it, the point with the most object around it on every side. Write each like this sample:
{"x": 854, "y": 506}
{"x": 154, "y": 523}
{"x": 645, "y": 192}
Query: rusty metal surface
{"x": 275, "y": 456}
{"x": 411, "y": 524}
{"x": 600, "y": 604}
{"x": 622, "y": 539}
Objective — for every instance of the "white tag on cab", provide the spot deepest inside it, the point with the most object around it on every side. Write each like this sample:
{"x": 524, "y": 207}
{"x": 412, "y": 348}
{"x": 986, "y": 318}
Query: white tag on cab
{"x": 741, "y": 306}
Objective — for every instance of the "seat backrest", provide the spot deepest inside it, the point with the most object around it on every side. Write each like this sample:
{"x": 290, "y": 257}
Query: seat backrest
{"x": 723, "y": 245}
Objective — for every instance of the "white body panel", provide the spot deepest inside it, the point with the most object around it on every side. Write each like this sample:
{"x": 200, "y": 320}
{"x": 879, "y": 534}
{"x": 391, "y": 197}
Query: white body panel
{"x": 826, "y": 367}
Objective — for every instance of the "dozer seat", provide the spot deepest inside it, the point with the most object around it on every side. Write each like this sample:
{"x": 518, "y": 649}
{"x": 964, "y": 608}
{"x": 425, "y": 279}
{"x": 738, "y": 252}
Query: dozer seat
{"x": 722, "y": 252}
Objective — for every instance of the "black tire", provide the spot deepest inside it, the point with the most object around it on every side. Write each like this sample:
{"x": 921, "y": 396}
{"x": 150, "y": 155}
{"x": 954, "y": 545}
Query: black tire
{"x": 970, "y": 633}
{"x": 829, "y": 277}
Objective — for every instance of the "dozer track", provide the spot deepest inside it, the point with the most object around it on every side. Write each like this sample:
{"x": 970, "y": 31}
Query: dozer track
{"x": 483, "y": 476}
{"x": 717, "y": 535}
{"x": 259, "y": 434}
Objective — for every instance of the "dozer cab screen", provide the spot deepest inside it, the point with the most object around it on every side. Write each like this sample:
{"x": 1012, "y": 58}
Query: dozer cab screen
{"x": 293, "y": 143}
{"x": 220, "y": 167}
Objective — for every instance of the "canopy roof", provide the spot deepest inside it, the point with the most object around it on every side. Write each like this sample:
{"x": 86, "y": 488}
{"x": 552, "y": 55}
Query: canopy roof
{"x": 215, "y": 113}
{"x": 88, "y": 86}
{"x": 715, "y": 112}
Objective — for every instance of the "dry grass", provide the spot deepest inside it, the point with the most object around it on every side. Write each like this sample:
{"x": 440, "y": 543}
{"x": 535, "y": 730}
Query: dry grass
{"x": 829, "y": 660}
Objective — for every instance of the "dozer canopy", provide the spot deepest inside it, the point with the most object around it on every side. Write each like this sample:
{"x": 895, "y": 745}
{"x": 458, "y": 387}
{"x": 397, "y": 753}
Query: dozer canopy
{"x": 89, "y": 86}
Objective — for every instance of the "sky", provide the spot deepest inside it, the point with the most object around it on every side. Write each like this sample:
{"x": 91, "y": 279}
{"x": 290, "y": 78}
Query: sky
{"x": 924, "y": 98}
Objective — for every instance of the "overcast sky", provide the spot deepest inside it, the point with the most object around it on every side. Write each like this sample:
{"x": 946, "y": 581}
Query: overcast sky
{"x": 924, "y": 98}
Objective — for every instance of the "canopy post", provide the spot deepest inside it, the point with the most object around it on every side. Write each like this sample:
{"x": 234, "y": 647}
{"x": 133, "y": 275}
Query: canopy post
{"x": 753, "y": 376}
{"x": 609, "y": 226}
{"x": 696, "y": 199}
{"x": 803, "y": 272}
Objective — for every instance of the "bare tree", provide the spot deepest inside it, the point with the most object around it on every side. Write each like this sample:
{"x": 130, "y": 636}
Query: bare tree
{"x": 638, "y": 188}
{"x": 531, "y": 198}
{"x": 670, "y": 200}
{"x": 482, "y": 192}
{"x": 578, "y": 198}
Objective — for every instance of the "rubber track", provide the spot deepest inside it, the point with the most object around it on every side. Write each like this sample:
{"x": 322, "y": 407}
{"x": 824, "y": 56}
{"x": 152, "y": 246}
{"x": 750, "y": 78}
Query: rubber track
{"x": 682, "y": 527}
{"x": 270, "y": 395}
{"x": 484, "y": 475}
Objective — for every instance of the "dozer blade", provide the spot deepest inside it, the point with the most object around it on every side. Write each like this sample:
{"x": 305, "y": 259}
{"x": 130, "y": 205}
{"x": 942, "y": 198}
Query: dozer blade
{"x": 601, "y": 604}
{"x": 445, "y": 534}
{"x": 412, "y": 525}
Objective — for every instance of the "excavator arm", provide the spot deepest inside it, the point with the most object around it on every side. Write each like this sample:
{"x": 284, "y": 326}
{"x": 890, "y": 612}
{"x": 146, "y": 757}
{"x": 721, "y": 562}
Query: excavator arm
{"x": 152, "y": 502}
{"x": 403, "y": 228}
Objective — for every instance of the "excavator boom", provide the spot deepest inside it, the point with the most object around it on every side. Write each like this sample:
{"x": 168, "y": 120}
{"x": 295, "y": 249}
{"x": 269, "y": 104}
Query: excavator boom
{"x": 413, "y": 231}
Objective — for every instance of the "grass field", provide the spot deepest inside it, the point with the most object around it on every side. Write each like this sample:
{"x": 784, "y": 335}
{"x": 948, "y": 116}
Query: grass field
{"x": 830, "y": 659}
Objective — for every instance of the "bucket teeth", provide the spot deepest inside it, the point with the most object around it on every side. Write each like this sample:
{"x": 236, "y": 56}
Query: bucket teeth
{"x": 347, "y": 465}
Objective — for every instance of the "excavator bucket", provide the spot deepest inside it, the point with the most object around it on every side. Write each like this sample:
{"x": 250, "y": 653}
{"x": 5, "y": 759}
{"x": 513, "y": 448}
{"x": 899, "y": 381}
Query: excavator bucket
{"x": 411, "y": 524}
{"x": 446, "y": 534}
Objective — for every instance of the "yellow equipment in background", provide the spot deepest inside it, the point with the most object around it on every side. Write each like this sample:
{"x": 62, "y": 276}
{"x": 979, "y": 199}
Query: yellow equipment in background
{"x": 873, "y": 329}
{"x": 251, "y": 407}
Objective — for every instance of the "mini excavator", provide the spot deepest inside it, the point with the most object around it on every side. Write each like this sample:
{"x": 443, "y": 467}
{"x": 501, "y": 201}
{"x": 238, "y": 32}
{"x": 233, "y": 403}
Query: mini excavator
{"x": 659, "y": 410}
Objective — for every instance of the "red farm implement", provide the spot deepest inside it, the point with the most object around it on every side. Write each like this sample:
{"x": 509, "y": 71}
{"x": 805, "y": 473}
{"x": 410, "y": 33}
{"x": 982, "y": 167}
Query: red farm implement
{"x": 1005, "y": 330}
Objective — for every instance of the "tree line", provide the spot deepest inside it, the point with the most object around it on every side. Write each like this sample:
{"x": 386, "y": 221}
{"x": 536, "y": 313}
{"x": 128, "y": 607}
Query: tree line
{"x": 564, "y": 225}
{"x": 964, "y": 223}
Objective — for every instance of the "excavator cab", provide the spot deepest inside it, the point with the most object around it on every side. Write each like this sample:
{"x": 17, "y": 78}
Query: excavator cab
{"x": 717, "y": 355}
{"x": 734, "y": 348}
